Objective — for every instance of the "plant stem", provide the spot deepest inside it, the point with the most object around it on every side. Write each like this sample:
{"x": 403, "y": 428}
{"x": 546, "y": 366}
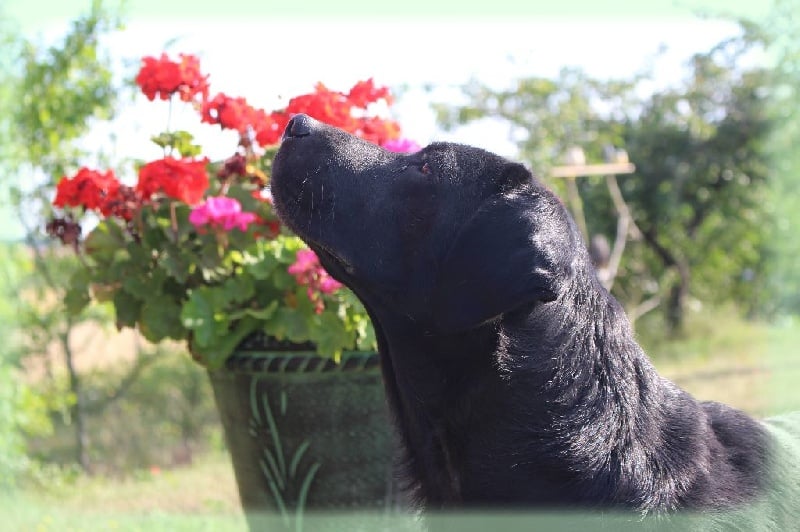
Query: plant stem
{"x": 174, "y": 220}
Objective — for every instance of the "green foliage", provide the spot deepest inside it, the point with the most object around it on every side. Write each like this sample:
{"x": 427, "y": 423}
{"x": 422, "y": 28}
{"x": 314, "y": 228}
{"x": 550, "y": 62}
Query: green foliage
{"x": 51, "y": 94}
{"x": 180, "y": 141}
{"x": 212, "y": 288}
{"x": 22, "y": 412}
{"x": 12, "y": 445}
{"x": 61, "y": 89}
{"x": 700, "y": 198}
{"x": 15, "y": 266}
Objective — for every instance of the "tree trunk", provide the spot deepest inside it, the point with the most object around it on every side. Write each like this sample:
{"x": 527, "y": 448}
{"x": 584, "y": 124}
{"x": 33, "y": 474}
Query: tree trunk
{"x": 679, "y": 294}
{"x": 78, "y": 410}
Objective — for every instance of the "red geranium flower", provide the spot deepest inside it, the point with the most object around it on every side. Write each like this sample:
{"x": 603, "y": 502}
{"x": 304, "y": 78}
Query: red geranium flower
{"x": 229, "y": 113}
{"x": 270, "y": 127}
{"x": 327, "y": 106}
{"x": 237, "y": 114}
{"x": 365, "y": 92}
{"x": 98, "y": 191}
{"x": 88, "y": 189}
{"x": 182, "y": 179}
{"x": 345, "y": 111}
{"x": 163, "y": 77}
{"x": 378, "y": 130}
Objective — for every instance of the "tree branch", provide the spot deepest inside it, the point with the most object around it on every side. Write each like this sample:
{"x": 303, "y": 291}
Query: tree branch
{"x": 625, "y": 227}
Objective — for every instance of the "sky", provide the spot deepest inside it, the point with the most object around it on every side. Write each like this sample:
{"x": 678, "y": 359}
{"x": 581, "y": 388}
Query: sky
{"x": 269, "y": 51}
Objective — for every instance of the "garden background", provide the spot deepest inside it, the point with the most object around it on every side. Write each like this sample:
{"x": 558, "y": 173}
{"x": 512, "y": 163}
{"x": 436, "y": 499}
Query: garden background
{"x": 703, "y": 97}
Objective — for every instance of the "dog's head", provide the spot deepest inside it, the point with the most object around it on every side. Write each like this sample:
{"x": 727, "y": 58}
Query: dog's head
{"x": 451, "y": 236}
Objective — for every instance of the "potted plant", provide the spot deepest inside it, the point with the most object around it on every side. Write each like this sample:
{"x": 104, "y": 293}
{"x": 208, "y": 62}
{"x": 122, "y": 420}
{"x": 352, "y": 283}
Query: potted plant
{"x": 191, "y": 250}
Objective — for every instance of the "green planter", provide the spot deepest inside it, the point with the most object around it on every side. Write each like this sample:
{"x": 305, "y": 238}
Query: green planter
{"x": 306, "y": 433}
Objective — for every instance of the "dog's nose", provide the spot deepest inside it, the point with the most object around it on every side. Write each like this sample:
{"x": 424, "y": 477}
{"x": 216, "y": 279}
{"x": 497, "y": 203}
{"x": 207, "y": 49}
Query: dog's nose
{"x": 298, "y": 126}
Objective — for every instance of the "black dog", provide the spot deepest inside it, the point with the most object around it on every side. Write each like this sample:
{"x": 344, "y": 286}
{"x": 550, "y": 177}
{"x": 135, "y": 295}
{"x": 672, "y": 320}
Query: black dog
{"x": 512, "y": 374}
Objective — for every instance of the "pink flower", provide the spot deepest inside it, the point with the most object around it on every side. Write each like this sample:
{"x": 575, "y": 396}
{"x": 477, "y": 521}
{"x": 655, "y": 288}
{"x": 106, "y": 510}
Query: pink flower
{"x": 329, "y": 285}
{"x": 401, "y": 146}
{"x": 308, "y": 272}
{"x": 306, "y": 262}
{"x": 222, "y": 212}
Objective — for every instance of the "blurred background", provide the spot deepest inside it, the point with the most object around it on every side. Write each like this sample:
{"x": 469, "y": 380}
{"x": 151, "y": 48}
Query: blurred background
{"x": 698, "y": 240}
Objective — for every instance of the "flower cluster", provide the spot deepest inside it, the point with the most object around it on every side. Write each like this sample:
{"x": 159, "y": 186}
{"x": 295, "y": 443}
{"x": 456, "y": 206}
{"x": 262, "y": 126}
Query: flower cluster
{"x": 183, "y": 179}
{"x": 221, "y": 213}
{"x": 89, "y": 188}
{"x": 335, "y": 108}
{"x": 342, "y": 110}
{"x": 163, "y": 77}
{"x": 237, "y": 114}
{"x": 193, "y": 250}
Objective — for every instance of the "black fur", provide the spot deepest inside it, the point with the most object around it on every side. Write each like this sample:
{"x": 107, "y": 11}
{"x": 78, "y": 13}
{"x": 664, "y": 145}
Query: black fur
{"x": 512, "y": 374}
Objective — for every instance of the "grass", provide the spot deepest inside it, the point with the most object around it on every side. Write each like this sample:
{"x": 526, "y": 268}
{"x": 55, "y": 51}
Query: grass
{"x": 750, "y": 365}
{"x": 200, "y": 497}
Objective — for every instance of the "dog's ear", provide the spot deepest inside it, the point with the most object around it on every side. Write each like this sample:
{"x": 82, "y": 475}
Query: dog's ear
{"x": 513, "y": 251}
{"x": 514, "y": 176}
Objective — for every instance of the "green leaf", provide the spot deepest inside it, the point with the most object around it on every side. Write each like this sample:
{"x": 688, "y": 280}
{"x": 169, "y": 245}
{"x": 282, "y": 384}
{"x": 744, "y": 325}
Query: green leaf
{"x": 288, "y": 323}
{"x": 160, "y": 319}
{"x": 204, "y": 314}
{"x": 180, "y": 141}
{"x": 105, "y": 241}
{"x": 127, "y": 307}
{"x": 215, "y": 355}
{"x": 237, "y": 289}
{"x": 76, "y": 299}
{"x": 176, "y": 261}
{"x": 77, "y": 296}
{"x": 331, "y": 336}
{"x": 185, "y": 228}
{"x": 153, "y": 237}
{"x": 261, "y": 268}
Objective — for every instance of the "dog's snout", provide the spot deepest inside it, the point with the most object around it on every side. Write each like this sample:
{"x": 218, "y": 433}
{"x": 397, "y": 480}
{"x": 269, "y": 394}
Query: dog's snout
{"x": 299, "y": 126}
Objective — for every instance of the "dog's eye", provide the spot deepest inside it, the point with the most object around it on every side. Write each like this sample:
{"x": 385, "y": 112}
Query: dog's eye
{"x": 419, "y": 168}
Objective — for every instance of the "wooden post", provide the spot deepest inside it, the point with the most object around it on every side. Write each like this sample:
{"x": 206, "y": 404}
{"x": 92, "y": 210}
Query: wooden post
{"x": 607, "y": 272}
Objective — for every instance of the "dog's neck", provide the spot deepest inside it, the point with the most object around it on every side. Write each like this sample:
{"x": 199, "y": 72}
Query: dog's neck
{"x": 426, "y": 394}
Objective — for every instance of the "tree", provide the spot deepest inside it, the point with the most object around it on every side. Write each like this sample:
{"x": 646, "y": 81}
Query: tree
{"x": 698, "y": 192}
{"x": 51, "y": 98}
{"x": 703, "y": 174}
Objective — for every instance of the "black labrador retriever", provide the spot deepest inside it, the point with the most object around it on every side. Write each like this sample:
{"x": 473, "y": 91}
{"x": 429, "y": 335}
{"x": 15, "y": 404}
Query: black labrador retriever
{"x": 513, "y": 376}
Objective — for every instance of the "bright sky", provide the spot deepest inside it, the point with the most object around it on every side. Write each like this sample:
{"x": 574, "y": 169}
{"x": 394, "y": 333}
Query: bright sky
{"x": 251, "y": 49}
